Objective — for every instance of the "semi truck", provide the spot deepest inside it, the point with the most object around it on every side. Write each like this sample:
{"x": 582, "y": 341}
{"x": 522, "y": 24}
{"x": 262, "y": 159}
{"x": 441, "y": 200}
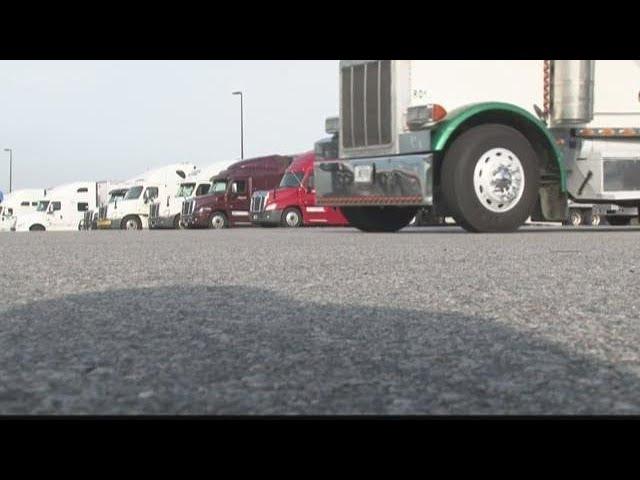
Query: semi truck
{"x": 103, "y": 194}
{"x": 117, "y": 193}
{"x": 228, "y": 202}
{"x": 17, "y": 203}
{"x": 63, "y": 208}
{"x": 293, "y": 202}
{"x": 489, "y": 143}
{"x": 132, "y": 211}
{"x": 166, "y": 214}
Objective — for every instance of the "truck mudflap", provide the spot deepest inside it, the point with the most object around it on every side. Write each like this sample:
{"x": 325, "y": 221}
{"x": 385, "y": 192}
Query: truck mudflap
{"x": 376, "y": 181}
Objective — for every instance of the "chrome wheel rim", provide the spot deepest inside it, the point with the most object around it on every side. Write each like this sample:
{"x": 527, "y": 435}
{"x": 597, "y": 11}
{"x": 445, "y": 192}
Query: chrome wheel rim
{"x": 292, "y": 219}
{"x": 131, "y": 224}
{"x": 498, "y": 180}
{"x": 217, "y": 222}
{"x": 576, "y": 219}
{"x": 595, "y": 220}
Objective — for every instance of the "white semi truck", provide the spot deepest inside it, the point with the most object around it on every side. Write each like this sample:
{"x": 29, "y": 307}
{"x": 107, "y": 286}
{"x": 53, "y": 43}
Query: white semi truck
{"x": 16, "y": 203}
{"x": 487, "y": 142}
{"x": 104, "y": 191}
{"x": 165, "y": 213}
{"x": 132, "y": 212}
{"x": 62, "y": 209}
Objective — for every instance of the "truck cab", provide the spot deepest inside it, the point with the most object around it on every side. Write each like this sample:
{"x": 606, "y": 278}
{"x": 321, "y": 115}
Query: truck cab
{"x": 63, "y": 210}
{"x": 132, "y": 212}
{"x": 293, "y": 202}
{"x": 228, "y": 202}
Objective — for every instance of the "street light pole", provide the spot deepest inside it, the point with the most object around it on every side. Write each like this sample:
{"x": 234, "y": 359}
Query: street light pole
{"x": 10, "y": 166}
{"x": 241, "y": 125}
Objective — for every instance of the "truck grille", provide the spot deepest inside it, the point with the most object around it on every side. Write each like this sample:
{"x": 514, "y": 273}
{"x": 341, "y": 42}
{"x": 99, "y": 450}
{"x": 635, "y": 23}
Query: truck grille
{"x": 366, "y": 104}
{"x": 88, "y": 219}
{"x": 154, "y": 210}
{"x": 258, "y": 202}
{"x": 187, "y": 207}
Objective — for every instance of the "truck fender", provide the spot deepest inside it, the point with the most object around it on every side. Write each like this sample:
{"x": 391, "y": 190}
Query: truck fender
{"x": 553, "y": 188}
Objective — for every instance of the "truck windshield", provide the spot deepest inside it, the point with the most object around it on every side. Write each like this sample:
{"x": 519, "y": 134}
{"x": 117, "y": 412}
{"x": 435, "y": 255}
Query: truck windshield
{"x": 186, "y": 190}
{"x": 219, "y": 186}
{"x": 133, "y": 193}
{"x": 291, "y": 179}
{"x": 117, "y": 195}
{"x": 42, "y": 206}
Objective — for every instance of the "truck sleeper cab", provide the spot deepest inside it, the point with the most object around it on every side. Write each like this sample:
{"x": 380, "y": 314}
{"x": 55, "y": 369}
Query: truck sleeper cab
{"x": 520, "y": 140}
{"x": 54, "y": 215}
{"x": 293, "y": 202}
{"x": 228, "y": 202}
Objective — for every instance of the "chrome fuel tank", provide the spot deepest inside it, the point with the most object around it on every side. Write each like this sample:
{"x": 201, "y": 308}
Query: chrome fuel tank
{"x": 572, "y": 92}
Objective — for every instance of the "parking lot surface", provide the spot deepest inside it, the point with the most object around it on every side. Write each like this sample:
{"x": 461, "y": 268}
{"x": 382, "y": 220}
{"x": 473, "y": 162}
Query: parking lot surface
{"x": 321, "y": 321}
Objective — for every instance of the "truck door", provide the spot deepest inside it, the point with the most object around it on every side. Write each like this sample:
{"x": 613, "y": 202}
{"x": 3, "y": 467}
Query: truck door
{"x": 238, "y": 200}
{"x": 312, "y": 213}
{"x": 55, "y": 216}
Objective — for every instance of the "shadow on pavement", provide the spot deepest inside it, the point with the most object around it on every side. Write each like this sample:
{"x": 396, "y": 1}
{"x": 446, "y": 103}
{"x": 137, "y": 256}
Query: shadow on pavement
{"x": 240, "y": 350}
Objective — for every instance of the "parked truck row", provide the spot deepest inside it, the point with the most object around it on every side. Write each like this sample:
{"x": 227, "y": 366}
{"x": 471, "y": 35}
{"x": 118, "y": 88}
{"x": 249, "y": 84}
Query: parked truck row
{"x": 274, "y": 190}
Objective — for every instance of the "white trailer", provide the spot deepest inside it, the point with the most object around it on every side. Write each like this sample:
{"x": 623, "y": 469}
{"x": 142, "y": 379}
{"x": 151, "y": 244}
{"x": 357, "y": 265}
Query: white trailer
{"x": 62, "y": 209}
{"x": 132, "y": 212}
{"x": 489, "y": 143}
{"x": 165, "y": 213}
{"x": 16, "y": 203}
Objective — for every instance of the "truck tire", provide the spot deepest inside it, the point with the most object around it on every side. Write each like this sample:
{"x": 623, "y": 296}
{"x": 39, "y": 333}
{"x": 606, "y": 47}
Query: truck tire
{"x": 291, "y": 218}
{"x": 479, "y": 162}
{"x": 379, "y": 219}
{"x": 218, "y": 221}
{"x": 37, "y": 228}
{"x": 575, "y": 218}
{"x": 132, "y": 222}
{"x": 592, "y": 219}
{"x": 619, "y": 221}
{"x": 176, "y": 223}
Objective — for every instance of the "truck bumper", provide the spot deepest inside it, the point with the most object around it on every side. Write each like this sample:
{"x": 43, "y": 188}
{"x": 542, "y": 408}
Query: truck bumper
{"x": 392, "y": 180}
{"x": 272, "y": 217}
{"x": 194, "y": 221}
{"x": 161, "y": 222}
{"x": 104, "y": 224}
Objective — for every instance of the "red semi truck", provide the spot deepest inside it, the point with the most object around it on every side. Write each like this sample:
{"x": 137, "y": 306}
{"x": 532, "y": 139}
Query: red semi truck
{"x": 293, "y": 202}
{"x": 227, "y": 203}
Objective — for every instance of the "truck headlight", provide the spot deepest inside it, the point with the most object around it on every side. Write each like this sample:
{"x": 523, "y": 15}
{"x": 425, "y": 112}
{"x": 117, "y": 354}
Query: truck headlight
{"x": 271, "y": 206}
{"x": 421, "y": 116}
{"x": 203, "y": 210}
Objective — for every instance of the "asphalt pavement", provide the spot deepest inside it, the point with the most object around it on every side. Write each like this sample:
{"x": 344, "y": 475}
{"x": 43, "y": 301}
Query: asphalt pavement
{"x": 321, "y": 321}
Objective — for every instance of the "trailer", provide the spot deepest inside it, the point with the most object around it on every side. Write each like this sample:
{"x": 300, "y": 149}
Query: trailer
{"x": 489, "y": 143}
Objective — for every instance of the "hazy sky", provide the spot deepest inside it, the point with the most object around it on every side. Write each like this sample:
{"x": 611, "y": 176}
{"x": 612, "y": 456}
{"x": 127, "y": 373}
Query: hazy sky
{"x": 105, "y": 120}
